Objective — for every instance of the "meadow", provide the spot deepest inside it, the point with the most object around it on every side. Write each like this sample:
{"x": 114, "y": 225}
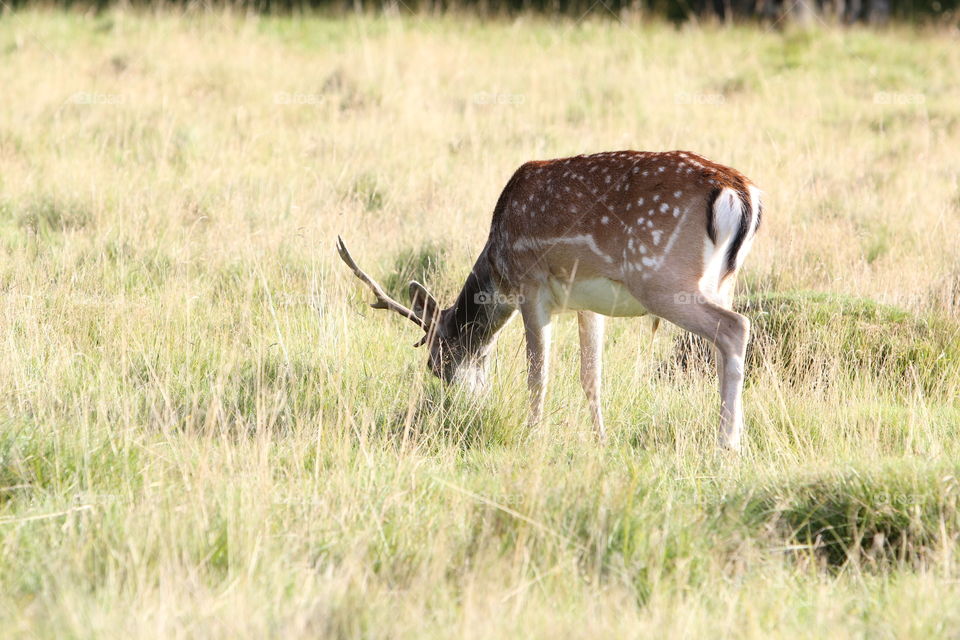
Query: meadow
{"x": 206, "y": 432}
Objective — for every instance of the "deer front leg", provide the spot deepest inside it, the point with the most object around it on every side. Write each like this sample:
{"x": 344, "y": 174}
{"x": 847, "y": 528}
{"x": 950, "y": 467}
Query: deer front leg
{"x": 591, "y": 361}
{"x": 536, "y": 326}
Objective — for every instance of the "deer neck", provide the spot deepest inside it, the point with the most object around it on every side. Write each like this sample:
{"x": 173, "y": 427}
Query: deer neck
{"x": 480, "y": 310}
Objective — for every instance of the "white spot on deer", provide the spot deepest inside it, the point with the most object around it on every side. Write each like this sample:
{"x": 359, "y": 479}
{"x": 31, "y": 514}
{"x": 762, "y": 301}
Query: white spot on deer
{"x": 648, "y": 262}
{"x": 629, "y": 204}
{"x": 585, "y": 239}
{"x": 526, "y": 244}
{"x": 664, "y": 207}
{"x": 677, "y": 194}
{"x": 661, "y": 169}
{"x": 604, "y": 220}
{"x": 656, "y": 197}
{"x": 639, "y": 202}
{"x": 676, "y": 212}
{"x": 606, "y": 178}
{"x": 646, "y": 173}
{"x": 643, "y": 248}
{"x": 656, "y": 237}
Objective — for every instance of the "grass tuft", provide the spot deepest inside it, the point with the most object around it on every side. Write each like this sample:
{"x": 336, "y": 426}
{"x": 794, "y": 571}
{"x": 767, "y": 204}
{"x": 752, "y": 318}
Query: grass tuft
{"x": 874, "y": 517}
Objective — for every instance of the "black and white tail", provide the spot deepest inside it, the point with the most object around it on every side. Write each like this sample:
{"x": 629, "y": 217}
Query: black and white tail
{"x": 733, "y": 219}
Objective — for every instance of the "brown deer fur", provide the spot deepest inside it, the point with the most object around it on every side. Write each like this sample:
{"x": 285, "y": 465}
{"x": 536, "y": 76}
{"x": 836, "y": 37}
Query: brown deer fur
{"x": 621, "y": 234}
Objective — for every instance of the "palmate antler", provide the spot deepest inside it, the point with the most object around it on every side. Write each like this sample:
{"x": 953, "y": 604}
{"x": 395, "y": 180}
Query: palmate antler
{"x": 383, "y": 301}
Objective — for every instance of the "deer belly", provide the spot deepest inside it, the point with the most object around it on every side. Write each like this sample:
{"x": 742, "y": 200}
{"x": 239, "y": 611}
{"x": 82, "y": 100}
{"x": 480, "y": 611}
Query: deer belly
{"x": 600, "y": 295}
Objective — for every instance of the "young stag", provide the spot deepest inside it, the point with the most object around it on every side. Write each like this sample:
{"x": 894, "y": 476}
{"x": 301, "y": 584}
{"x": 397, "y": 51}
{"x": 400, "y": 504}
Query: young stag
{"x": 611, "y": 234}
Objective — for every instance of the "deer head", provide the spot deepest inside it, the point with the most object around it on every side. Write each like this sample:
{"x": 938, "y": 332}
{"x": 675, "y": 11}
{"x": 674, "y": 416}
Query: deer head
{"x": 459, "y": 337}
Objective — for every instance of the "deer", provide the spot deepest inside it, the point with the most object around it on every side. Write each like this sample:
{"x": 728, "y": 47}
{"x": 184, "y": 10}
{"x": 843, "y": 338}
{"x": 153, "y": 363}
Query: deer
{"x": 619, "y": 234}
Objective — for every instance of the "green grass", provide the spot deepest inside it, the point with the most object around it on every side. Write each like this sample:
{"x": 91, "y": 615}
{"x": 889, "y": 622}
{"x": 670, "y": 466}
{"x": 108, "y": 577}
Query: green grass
{"x": 805, "y": 334}
{"x": 206, "y": 431}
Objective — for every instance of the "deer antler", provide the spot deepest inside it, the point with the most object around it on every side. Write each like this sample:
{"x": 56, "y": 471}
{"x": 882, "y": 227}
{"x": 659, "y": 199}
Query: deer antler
{"x": 383, "y": 301}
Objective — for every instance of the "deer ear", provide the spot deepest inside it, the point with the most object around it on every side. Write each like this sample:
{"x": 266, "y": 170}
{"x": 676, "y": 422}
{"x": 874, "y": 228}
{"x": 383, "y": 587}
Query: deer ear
{"x": 424, "y": 304}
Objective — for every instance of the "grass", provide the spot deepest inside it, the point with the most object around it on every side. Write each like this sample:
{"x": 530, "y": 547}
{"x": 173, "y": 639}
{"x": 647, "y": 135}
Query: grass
{"x": 205, "y": 431}
{"x": 817, "y": 339}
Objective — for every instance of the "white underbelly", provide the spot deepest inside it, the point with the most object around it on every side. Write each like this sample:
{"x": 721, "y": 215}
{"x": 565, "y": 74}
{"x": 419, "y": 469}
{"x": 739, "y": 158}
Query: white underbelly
{"x": 599, "y": 295}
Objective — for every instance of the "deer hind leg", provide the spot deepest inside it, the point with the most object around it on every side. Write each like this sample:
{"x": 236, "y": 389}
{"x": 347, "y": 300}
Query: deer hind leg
{"x": 536, "y": 327}
{"x": 729, "y": 332}
{"x": 591, "y": 358}
{"x": 724, "y": 298}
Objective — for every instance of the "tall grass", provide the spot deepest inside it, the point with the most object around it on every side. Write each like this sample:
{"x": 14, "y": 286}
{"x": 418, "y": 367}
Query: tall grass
{"x": 204, "y": 431}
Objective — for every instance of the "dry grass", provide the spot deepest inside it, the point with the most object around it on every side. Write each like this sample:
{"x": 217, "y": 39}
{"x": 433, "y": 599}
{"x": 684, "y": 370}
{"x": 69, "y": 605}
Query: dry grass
{"x": 206, "y": 433}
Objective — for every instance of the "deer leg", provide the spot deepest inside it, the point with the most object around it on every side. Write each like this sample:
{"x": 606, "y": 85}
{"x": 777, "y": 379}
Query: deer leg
{"x": 724, "y": 299}
{"x": 729, "y": 332}
{"x": 536, "y": 326}
{"x": 591, "y": 358}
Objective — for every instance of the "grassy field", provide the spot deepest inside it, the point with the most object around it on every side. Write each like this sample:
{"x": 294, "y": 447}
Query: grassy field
{"x": 205, "y": 432}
